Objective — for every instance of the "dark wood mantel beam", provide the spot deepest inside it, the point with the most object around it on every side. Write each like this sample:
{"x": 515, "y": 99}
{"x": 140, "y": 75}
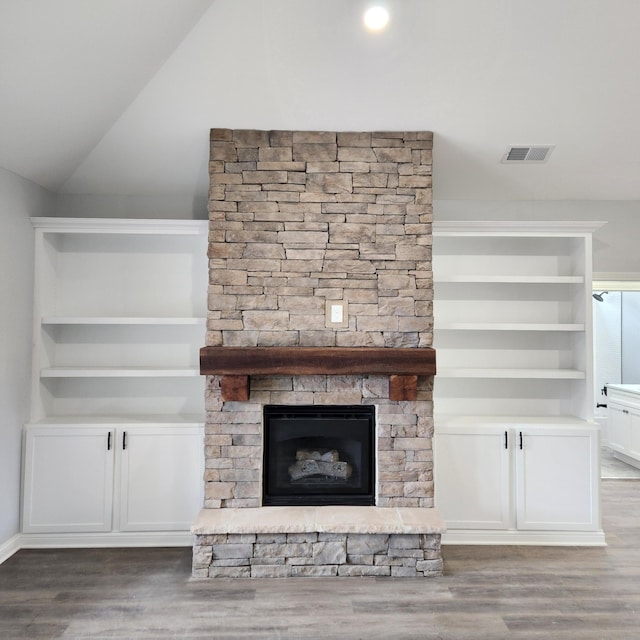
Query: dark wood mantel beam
{"x": 236, "y": 364}
{"x": 316, "y": 360}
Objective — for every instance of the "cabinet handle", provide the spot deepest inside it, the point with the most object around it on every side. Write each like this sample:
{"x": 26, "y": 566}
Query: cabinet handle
{"x": 109, "y": 441}
{"x": 521, "y": 440}
{"x": 625, "y": 411}
{"x": 124, "y": 440}
{"x": 506, "y": 440}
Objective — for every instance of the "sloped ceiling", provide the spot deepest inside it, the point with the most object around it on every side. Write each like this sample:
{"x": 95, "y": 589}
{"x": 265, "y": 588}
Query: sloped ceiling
{"x": 69, "y": 69}
{"x": 117, "y": 96}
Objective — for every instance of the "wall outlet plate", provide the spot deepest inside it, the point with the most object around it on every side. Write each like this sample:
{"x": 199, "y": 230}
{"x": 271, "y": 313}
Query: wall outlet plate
{"x": 336, "y": 314}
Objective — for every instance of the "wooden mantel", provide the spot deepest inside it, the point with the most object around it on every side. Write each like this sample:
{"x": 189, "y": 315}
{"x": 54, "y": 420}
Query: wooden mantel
{"x": 236, "y": 364}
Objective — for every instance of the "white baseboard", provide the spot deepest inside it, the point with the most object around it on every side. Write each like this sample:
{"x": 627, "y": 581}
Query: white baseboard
{"x": 117, "y": 539}
{"x": 185, "y": 539}
{"x": 8, "y": 548}
{"x": 94, "y": 540}
{"x": 533, "y": 538}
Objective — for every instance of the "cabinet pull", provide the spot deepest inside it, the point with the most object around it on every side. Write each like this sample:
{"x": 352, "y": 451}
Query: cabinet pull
{"x": 109, "y": 441}
{"x": 506, "y": 440}
{"x": 124, "y": 440}
{"x": 521, "y": 439}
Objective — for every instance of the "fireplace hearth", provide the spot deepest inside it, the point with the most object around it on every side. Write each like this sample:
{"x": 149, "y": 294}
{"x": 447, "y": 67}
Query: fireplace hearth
{"x": 318, "y": 455}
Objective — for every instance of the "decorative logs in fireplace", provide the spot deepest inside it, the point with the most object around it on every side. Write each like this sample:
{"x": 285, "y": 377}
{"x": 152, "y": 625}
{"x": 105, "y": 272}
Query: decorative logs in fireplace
{"x": 236, "y": 364}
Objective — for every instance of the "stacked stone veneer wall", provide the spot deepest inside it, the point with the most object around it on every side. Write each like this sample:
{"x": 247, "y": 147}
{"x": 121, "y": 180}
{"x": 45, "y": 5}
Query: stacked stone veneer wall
{"x": 233, "y": 440}
{"x": 283, "y": 555}
{"x": 299, "y": 218}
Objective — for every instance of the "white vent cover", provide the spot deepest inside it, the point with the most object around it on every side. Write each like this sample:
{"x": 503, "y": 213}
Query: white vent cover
{"x": 528, "y": 153}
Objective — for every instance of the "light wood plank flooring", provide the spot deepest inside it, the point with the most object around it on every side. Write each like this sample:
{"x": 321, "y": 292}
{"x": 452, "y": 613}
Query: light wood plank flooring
{"x": 487, "y": 592}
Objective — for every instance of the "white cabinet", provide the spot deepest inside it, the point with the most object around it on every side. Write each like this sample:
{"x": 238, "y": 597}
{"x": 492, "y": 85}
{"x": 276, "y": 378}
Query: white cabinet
{"x": 97, "y": 479}
{"x": 513, "y": 334}
{"x": 119, "y": 318}
{"x": 518, "y": 479}
{"x": 623, "y": 423}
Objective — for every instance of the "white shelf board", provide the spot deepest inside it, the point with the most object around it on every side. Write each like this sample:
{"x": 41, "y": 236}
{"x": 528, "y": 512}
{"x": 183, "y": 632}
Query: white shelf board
{"x": 507, "y": 326}
{"x": 551, "y": 374}
{"x": 515, "y": 228}
{"x": 128, "y": 226}
{"x": 118, "y": 372}
{"x": 444, "y": 420}
{"x": 186, "y": 420}
{"x": 121, "y": 320}
{"x": 506, "y": 279}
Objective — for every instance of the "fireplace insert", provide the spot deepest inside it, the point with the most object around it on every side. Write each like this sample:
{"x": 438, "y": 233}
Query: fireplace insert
{"x": 319, "y": 455}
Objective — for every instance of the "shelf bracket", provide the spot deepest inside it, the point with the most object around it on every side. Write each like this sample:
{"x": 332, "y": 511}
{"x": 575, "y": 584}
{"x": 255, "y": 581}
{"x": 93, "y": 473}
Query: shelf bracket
{"x": 234, "y": 388}
{"x": 403, "y": 388}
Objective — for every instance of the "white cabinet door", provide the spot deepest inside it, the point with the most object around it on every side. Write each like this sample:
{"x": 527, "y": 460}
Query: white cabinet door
{"x": 556, "y": 479}
{"x": 472, "y": 478}
{"x": 634, "y": 434}
{"x": 618, "y": 426}
{"x": 160, "y": 478}
{"x": 68, "y": 479}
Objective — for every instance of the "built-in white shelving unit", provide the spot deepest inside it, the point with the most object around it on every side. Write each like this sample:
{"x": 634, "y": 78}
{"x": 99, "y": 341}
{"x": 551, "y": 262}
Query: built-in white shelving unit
{"x": 119, "y": 303}
{"x": 119, "y": 317}
{"x": 512, "y": 330}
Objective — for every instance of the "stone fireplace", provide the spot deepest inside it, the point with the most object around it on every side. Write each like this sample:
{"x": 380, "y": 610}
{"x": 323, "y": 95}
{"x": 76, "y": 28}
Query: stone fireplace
{"x": 320, "y": 296}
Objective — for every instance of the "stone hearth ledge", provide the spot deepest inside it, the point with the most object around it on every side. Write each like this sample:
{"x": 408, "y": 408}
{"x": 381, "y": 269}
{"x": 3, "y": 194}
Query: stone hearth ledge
{"x": 325, "y": 519}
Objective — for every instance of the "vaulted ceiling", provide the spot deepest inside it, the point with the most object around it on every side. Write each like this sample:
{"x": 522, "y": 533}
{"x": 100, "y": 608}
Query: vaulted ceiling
{"x": 117, "y": 96}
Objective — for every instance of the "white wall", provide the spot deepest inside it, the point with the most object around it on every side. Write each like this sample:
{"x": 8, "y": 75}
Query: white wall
{"x": 614, "y": 252}
{"x": 614, "y": 249}
{"x": 630, "y": 323}
{"x": 19, "y": 199}
{"x": 614, "y": 245}
{"x": 131, "y": 206}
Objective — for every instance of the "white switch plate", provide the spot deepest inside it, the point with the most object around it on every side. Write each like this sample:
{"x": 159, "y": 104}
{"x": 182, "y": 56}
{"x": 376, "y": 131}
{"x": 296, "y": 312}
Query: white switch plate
{"x": 336, "y": 314}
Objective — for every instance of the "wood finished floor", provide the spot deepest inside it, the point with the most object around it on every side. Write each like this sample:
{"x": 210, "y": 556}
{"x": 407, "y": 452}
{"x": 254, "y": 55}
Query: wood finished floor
{"x": 487, "y": 592}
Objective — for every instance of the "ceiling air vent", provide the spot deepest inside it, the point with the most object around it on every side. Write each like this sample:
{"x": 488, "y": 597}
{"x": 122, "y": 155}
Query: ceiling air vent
{"x": 529, "y": 154}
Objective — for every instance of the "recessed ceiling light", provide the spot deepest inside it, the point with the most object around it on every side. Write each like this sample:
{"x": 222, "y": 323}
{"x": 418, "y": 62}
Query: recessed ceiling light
{"x": 376, "y": 18}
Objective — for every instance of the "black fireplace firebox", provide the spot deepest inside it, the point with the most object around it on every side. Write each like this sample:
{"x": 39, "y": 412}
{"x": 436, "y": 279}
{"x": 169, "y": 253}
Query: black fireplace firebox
{"x": 318, "y": 455}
